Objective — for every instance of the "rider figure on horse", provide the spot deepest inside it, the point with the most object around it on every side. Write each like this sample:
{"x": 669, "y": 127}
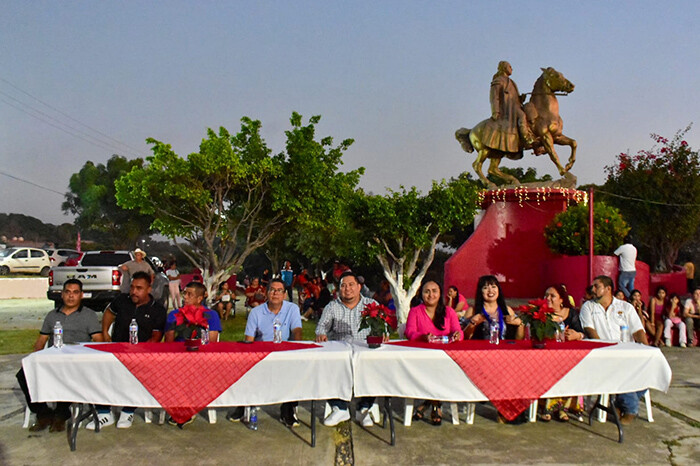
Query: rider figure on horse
{"x": 508, "y": 125}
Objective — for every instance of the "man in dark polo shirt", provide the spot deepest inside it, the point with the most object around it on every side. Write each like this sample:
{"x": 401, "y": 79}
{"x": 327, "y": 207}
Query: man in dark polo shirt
{"x": 80, "y": 324}
{"x": 150, "y": 317}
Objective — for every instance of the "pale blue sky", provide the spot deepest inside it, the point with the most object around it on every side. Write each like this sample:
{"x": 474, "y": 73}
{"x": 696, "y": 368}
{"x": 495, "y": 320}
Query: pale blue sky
{"x": 397, "y": 76}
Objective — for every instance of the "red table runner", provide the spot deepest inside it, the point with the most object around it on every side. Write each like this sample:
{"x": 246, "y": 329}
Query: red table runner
{"x": 186, "y": 382}
{"x": 513, "y": 374}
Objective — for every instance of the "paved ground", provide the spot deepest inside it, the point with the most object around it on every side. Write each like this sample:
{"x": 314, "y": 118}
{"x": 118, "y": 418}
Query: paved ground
{"x": 673, "y": 439}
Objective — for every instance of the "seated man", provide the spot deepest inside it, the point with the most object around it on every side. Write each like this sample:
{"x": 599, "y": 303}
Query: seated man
{"x": 260, "y": 328}
{"x": 150, "y": 316}
{"x": 80, "y": 324}
{"x": 691, "y": 313}
{"x": 193, "y": 295}
{"x": 341, "y": 321}
{"x": 604, "y": 318}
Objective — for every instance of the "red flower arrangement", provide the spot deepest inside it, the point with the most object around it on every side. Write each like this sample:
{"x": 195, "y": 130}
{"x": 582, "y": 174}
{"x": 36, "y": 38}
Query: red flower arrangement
{"x": 540, "y": 317}
{"x": 189, "y": 322}
{"x": 379, "y": 319}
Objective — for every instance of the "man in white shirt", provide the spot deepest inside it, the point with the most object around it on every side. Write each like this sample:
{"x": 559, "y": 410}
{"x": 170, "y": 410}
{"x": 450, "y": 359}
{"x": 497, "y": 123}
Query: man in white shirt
{"x": 608, "y": 318}
{"x": 628, "y": 270}
{"x": 691, "y": 314}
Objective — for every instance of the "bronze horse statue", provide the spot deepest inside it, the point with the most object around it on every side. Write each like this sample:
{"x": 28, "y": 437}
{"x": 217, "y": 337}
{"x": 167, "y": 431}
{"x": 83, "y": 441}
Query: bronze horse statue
{"x": 542, "y": 113}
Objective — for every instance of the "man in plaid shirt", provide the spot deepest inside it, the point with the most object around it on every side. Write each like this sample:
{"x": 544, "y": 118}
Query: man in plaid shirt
{"x": 340, "y": 321}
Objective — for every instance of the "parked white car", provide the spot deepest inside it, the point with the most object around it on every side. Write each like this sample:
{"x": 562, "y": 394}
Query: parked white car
{"x": 24, "y": 260}
{"x": 59, "y": 257}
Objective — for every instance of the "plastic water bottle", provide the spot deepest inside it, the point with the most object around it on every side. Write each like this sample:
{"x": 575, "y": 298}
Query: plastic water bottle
{"x": 494, "y": 331}
{"x": 58, "y": 335}
{"x": 277, "y": 331}
{"x": 133, "y": 332}
{"x": 561, "y": 337}
{"x": 253, "y": 420}
{"x": 624, "y": 334}
{"x": 205, "y": 336}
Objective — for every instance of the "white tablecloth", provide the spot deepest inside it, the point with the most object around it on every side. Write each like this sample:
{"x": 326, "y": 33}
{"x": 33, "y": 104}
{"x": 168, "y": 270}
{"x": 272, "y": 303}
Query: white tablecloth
{"x": 80, "y": 374}
{"x": 430, "y": 373}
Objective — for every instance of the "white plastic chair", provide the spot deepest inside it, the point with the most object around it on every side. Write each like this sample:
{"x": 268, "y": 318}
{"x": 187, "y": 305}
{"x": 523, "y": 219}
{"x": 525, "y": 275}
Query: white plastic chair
{"x": 602, "y": 416}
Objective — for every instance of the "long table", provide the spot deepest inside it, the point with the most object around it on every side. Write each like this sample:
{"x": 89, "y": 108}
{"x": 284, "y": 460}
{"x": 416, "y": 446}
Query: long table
{"x": 510, "y": 375}
{"x": 93, "y": 374}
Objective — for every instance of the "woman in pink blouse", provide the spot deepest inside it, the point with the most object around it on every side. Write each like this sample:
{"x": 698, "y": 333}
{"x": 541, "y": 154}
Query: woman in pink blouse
{"x": 432, "y": 318}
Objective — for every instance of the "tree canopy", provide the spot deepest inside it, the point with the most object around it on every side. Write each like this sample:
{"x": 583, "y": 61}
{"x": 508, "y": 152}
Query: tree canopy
{"x": 402, "y": 228}
{"x": 233, "y": 196}
{"x": 658, "y": 192}
{"x": 92, "y": 199}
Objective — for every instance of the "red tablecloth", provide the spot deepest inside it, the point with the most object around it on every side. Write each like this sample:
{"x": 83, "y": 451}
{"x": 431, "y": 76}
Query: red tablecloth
{"x": 512, "y": 374}
{"x": 186, "y": 382}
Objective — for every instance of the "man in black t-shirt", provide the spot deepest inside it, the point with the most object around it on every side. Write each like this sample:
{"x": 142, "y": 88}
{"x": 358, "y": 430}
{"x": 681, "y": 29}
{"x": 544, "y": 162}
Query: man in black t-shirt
{"x": 150, "y": 317}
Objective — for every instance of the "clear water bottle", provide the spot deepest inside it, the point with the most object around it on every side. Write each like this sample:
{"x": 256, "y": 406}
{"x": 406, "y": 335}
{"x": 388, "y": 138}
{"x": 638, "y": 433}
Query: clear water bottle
{"x": 561, "y": 333}
{"x": 133, "y": 332}
{"x": 253, "y": 419}
{"x": 58, "y": 335}
{"x": 494, "y": 331}
{"x": 625, "y": 333}
{"x": 205, "y": 335}
{"x": 277, "y": 331}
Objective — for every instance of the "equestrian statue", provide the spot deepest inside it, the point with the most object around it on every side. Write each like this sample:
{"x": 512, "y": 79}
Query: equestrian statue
{"x": 514, "y": 127}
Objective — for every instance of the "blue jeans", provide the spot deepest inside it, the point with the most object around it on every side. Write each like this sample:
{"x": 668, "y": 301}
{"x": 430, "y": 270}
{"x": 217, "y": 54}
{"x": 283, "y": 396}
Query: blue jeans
{"x": 628, "y": 403}
{"x": 626, "y": 282}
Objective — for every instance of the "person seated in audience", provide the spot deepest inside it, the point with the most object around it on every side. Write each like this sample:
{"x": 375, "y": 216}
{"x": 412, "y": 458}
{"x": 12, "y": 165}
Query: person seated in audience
{"x": 587, "y": 294}
{"x": 619, "y": 294}
{"x": 80, "y": 324}
{"x": 657, "y": 304}
{"x": 224, "y": 301}
{"x": 672, "y": 318}
{"x": 260, "y": 327}
{"x": 383, "y": 294}
{"x": 558, "y": 300}
{"x": 310, "y": 295}
{"x": 691, "y": 314}
{"x": 428, "y": 320}
{"x": 604, "y": 319}
{"x": 489, "y": 306}
{"x": 458, "y": 302}
{"x": 255, "y": 293}
{"x": 641, "y": 308}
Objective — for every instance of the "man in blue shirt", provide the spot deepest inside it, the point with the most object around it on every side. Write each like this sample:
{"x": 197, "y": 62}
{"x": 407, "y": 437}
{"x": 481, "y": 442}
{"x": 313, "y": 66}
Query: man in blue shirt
{"x": 260, "y": 328}
{"x": 287, "y": 275}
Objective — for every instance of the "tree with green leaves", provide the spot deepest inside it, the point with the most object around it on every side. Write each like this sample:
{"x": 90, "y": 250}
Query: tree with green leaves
{"x": 402, "y": 229}
{"x": 567, "y": 233}
{"x": 658, "y": 193}
{"x": 92, "y": 199}
{"x": 233, "y": 196}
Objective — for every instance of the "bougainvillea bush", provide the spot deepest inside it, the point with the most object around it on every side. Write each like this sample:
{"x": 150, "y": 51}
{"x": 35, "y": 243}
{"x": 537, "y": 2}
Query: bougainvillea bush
{"x": 567, "y": 233}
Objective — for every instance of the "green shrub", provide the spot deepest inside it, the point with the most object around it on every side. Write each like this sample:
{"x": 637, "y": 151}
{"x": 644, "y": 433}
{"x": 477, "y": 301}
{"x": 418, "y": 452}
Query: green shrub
{"x": 567, "y": 233}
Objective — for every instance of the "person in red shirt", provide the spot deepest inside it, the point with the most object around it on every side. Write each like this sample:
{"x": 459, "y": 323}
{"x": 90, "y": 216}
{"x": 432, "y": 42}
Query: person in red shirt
{"x": 255, "y": 293}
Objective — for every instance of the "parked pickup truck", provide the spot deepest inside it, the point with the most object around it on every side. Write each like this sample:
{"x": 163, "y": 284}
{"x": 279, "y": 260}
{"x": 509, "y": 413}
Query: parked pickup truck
{"x": 99, "y": 271}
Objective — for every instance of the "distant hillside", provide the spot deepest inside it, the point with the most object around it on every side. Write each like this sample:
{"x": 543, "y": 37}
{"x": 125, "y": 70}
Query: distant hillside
{"x": 34, "y": 230}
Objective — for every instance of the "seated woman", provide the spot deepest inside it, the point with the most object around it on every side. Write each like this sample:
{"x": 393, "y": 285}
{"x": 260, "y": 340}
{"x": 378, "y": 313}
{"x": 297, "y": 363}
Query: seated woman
{"x": 432, "y": 318}
{"x": 255, "y": 293}
{"x": 657, "y": 304}
{"x": 489, "y": 306}
{"x": 640, "y": 307}
{"x": 223, "y": 301}
{"x": 558, "y": 300}
{"x": 672, "y": 318}
{"x": 458, "y": 302}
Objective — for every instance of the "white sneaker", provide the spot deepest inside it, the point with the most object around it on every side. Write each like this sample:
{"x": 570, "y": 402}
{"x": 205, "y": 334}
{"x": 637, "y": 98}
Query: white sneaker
{"x": 364, "y": 417}
{"x": 304, "y": 318}
{"x": 336, "y": 417}
{"x": 125, "y": 420}
{"x": 668, "y": 342}
{"x": 683, "y": 345}
{"x": 105, "y": 419}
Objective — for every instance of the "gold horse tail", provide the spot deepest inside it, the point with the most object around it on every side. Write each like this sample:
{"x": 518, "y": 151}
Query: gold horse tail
{"x": 462, "y": 135}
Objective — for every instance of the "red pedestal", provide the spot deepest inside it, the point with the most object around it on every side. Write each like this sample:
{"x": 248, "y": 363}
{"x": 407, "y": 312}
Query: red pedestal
{"x": 509, "y": 242}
